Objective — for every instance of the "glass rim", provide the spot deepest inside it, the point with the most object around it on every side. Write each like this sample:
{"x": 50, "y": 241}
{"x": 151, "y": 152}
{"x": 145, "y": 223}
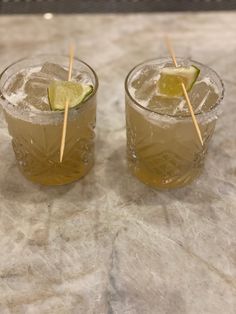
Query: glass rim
{"x": 48, "y": 113}
{"x": 179, "y": 116}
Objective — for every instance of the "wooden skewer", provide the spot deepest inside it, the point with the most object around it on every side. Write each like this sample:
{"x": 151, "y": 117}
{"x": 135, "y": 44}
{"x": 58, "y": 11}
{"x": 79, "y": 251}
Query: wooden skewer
{"x": 63, "y": 137}
{"x": 172, "y": 53}
{"x": 72, "y": 52}
{"x": 171, "y": 50}
{"x": 192, "y": 114}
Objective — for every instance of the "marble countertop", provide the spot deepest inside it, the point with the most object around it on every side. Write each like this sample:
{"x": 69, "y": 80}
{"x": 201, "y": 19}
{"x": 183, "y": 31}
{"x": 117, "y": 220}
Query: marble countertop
{"x": 108, "y": 244}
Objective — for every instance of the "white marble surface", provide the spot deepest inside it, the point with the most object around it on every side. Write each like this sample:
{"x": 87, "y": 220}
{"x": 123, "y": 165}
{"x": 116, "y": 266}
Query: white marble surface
{"x": 108, "y": 244}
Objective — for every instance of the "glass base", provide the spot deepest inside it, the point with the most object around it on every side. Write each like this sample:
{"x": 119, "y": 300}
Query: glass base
{"x": 57, "y": 180}
{"x": 161, "y": 183}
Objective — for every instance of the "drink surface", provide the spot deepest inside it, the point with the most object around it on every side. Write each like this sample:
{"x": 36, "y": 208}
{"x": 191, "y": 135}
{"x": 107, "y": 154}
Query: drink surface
{"x": 28, "y": 89}
{"x": 36, "y": 132}
{"x": 163, "y": 148}
{"x": 144, "y": 89}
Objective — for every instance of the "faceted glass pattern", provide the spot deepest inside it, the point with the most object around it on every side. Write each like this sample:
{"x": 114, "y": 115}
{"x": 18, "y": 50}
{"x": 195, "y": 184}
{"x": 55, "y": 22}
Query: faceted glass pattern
{"x": 36, "y": 136}
{"x": 164, "y": 151}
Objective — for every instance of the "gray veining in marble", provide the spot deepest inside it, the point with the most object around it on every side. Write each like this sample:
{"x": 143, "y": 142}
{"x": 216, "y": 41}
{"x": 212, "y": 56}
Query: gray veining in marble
{"x": 108, "y": 244}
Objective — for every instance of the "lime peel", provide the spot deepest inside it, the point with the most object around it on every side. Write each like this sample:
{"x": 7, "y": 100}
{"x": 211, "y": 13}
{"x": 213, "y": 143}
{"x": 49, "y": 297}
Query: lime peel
{"x": 59, "y": 92}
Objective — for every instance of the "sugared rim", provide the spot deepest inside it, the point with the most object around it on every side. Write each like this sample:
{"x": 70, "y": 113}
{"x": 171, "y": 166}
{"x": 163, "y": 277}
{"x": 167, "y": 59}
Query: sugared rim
{"x": 44, "y": 113}
{"x": 179, "y": 116}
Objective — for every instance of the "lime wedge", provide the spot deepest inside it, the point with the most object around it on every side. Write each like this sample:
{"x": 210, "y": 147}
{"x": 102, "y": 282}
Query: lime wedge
{"x": 171, "y": 78}
{"x": 59, "y": 92}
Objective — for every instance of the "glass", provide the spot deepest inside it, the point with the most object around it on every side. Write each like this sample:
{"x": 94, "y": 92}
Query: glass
{"x": 163, "y": 150}
{"x": 36, "y": 135}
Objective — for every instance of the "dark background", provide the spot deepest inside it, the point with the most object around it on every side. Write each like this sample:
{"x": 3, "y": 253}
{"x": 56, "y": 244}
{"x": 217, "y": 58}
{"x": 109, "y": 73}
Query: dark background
{"x": 106, "y": 6}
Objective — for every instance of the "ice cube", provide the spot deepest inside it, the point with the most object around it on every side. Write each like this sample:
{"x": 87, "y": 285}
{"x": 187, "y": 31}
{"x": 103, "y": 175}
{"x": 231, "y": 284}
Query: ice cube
{"x": 36, "y": 90}
{"x": 28, "y": 103}
{"x": 146, "y": 74}
{"x": 83, "y": 77}
{"x": 37, "y": 84}
{"x": 203, "y": 96}
{"x": 165, "y": 105}
{"x": 55, "y": 71}
{"x": 15, "y": 83}
{"x": 146, "y": 91}
{"x": 144, "y": 83}
{"x": 37, "y": 103}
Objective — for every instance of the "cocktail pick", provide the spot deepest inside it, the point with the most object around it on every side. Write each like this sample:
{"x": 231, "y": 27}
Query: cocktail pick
{"x": 63, "y": 138}
{"x": 172, "y": 53}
